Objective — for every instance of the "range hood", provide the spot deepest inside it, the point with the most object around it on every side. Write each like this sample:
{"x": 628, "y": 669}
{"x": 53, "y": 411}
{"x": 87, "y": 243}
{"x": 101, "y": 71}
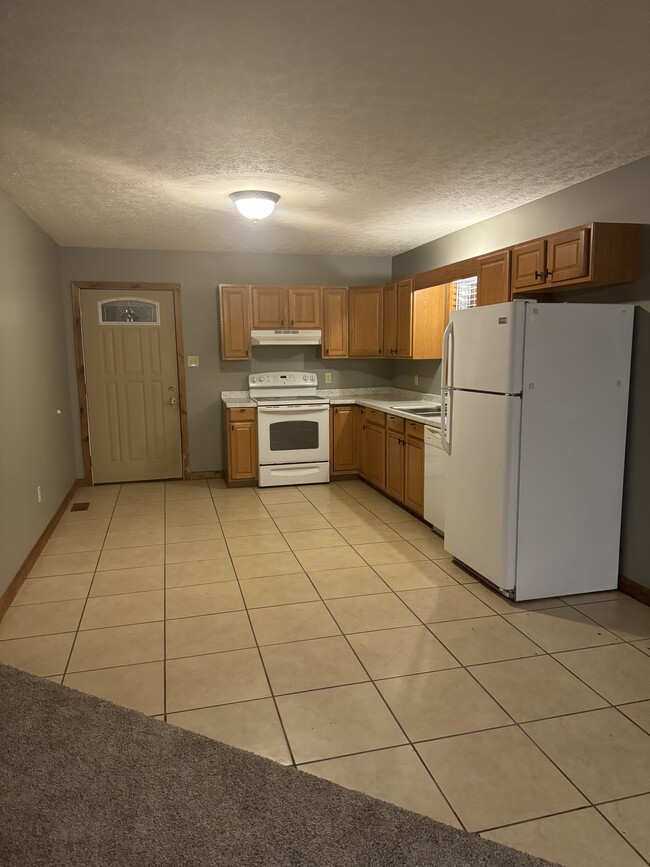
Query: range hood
{"x": 283, "y": 336}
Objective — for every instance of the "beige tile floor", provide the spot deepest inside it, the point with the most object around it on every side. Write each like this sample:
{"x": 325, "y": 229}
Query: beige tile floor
{"x": 326, "y": 627}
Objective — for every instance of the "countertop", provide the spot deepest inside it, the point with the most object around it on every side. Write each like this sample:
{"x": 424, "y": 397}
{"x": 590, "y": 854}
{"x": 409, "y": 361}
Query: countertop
{"x": 383, "y": 399}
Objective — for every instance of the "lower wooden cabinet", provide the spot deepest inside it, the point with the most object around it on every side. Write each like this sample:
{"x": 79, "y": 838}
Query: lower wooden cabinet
{"x": 405, "y": 466}
{"x": 241, "y": 445}
{"x": 372, "y": 452}
{"x": 344, "y": 435}
{"x": 414, "y": 474}
{"x": 395, "y": 465}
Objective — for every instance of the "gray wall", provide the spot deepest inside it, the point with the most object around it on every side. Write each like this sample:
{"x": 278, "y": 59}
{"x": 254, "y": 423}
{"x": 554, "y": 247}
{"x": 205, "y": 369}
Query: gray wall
{"x": 35, "y": 442}
{"x": 199, "y": 275}
{"x": 620, "y": 196}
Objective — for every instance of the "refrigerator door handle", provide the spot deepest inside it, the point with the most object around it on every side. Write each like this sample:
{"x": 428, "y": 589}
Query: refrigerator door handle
{"x": 445, "y": 390}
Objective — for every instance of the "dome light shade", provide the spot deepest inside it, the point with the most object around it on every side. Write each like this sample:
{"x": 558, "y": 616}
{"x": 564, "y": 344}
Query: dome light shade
{"x": 255, "y": 204}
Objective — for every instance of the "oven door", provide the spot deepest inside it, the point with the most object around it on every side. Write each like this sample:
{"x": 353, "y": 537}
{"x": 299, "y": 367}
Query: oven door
{"x": 293, "y": 434}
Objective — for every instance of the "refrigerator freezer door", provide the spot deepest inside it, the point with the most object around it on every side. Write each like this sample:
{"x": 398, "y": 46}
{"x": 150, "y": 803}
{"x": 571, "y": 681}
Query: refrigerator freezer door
{"x": 573, "y": 432}
{"x": 487, "y": 348}
{"x": 482, "y": 484}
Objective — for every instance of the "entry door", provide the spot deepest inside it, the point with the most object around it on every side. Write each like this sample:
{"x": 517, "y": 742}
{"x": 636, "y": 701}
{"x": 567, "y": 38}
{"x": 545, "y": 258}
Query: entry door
{"x": 129, "y": 344}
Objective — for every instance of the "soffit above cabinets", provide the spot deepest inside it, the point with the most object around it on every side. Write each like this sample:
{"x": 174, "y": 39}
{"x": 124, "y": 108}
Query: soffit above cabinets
{"x": 380, "y": 126}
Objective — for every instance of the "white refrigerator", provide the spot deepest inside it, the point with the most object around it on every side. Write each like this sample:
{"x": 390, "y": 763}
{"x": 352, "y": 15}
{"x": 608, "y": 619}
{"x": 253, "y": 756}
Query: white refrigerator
{"x": 534, "y": 421}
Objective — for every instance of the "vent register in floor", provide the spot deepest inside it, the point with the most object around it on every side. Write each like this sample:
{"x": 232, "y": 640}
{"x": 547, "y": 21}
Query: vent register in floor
{"x": 327, "y": 627}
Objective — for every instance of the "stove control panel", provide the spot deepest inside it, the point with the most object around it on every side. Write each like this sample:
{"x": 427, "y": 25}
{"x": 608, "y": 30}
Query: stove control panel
{"x": 282, "y": 380}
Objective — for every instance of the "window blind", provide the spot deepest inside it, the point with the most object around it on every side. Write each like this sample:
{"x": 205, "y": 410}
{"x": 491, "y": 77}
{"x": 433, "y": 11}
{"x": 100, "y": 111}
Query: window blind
{"x": 464, "y": 293}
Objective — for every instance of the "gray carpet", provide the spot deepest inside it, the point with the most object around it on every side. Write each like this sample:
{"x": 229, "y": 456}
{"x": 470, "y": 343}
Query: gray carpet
{"x": 85, "y": 782}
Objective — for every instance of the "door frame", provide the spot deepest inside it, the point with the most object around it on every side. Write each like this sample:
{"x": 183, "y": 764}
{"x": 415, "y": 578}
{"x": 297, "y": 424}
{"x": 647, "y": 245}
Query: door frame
{"x": 76, "y": 287}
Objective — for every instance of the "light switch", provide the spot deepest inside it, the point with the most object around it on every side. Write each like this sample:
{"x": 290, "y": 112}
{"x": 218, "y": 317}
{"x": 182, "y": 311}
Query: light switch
{"x": 192, "y": 360}
{"x": 328, "y": 377}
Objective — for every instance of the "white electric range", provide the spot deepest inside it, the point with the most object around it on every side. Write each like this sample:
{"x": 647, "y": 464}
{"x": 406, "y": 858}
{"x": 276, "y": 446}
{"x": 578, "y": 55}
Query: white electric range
{"x": 293, "y": 427}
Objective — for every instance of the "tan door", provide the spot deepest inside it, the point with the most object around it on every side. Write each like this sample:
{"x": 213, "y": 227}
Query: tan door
{"x": 129, "y": 344}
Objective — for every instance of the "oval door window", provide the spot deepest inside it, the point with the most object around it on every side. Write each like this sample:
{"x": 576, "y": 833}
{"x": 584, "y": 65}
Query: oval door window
{"x": 136, "y": 311}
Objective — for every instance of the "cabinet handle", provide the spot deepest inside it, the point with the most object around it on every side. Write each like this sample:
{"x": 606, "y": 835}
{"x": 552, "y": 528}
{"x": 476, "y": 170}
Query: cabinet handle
{"x": 548, "y": 273}
{"x": 363, "y": 427}
{"x": 291, "y": 323}
{"x": 380, "y": 352}
{"x": 539, "y": 275}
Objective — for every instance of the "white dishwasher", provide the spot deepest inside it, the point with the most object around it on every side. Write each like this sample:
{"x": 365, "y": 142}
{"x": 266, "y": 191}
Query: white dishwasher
{"x": 435, "y": 469}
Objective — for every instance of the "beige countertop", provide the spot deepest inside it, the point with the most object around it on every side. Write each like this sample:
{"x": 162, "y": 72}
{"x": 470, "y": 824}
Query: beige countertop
{"x": 391, "y": 400}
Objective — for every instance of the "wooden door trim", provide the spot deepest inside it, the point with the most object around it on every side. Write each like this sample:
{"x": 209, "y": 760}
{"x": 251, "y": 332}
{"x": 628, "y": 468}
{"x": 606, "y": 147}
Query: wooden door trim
{"x": 76, "y": 286}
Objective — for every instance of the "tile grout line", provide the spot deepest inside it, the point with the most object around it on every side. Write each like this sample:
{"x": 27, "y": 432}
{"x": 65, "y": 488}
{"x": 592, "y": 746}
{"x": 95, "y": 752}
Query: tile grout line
{"x": 90, "y": 587}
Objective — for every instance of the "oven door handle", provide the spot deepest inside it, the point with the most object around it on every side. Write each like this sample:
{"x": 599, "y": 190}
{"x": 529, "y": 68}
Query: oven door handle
{"x": 286, "y": 409}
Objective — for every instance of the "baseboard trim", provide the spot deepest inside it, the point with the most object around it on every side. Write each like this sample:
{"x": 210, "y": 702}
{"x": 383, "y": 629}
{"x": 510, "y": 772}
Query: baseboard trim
{"x": 634, "y": 589}
{"x": 10, "y": 593}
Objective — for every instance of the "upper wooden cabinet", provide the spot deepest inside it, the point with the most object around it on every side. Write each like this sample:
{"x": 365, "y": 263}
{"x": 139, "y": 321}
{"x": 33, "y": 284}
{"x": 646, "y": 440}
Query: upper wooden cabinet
{"x": 406, "y": 326}
{"x": 335, "y": 323}
{"x": 366, "y": 309}
{"x": 270, "y": 307}
{"x": 304, "y": 306}
{"x": 528, "y": 264}
{"x": 286, "y": 306}
{"x": 567, "y": 255}
{"x": 597, "y": 254}
{"x": 493, "y": 278}
{"x": 390, "y": 319}
{"x": 414, "y": 320}
{"x": 234, "y": 309}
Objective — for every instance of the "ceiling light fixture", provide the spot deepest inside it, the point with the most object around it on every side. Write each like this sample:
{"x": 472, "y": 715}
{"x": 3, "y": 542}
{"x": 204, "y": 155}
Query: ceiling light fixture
{"x": 255, "y": 204}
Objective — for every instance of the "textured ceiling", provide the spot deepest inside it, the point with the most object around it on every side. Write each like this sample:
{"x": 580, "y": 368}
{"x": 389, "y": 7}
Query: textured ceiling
{"x": 383, "y": 125}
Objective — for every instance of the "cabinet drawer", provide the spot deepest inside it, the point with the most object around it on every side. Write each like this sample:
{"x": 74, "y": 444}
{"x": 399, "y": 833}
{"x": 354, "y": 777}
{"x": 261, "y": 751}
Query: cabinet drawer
{"x": 395, "y": 423}
{"x": 415, "y": 430}
{"x": 241, "y": 413}
{"x": 375, "y": 416}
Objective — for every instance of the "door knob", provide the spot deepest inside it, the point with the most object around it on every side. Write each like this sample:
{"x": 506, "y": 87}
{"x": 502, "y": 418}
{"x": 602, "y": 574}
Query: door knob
{"x": 172, "y": 401}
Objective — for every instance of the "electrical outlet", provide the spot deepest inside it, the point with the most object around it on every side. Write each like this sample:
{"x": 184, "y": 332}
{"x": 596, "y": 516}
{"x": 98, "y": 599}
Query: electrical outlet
{"x": 328, "y": 377}
{"x": 416, "y": 379}
{"x": 39, "y": 496}
{"x": 192, "y": 360}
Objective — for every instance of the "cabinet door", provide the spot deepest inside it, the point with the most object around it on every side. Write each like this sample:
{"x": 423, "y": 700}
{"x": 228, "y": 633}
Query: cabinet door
{"x": 242, "y": 453}
{"x": 345, "y": 438}
{"x": 390, "y": 319}
{"x": 404, "y": 318}
{"x": 414, "y": 475}
{"x": 493, "y": 279}
{"x": 234, "y": 308}
{"x": 366, "y": 321}
{"x": 395, "y": 454}
{"x": 528, "y": 264}
{"x": 429, "y": 317}
{"x": 269, "y": 306}
{"x": 304, "y": 306}
{"x": 373, "y": 442}
{"x": 335, "y": 323}
{"x": 567, "y": 255}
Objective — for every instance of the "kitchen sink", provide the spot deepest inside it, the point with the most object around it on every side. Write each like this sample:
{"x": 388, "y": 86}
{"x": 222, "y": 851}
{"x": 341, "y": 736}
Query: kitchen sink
{"x": 425, "y": 411}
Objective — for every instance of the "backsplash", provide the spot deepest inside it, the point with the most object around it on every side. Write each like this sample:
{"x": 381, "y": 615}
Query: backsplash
{"x": 428, "y": 373}
{"x": 346, "y": 372}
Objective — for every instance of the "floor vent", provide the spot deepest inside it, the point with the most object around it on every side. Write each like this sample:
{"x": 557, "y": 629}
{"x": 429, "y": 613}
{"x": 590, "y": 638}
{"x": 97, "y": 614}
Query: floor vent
{"x": 80, "y": 507}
